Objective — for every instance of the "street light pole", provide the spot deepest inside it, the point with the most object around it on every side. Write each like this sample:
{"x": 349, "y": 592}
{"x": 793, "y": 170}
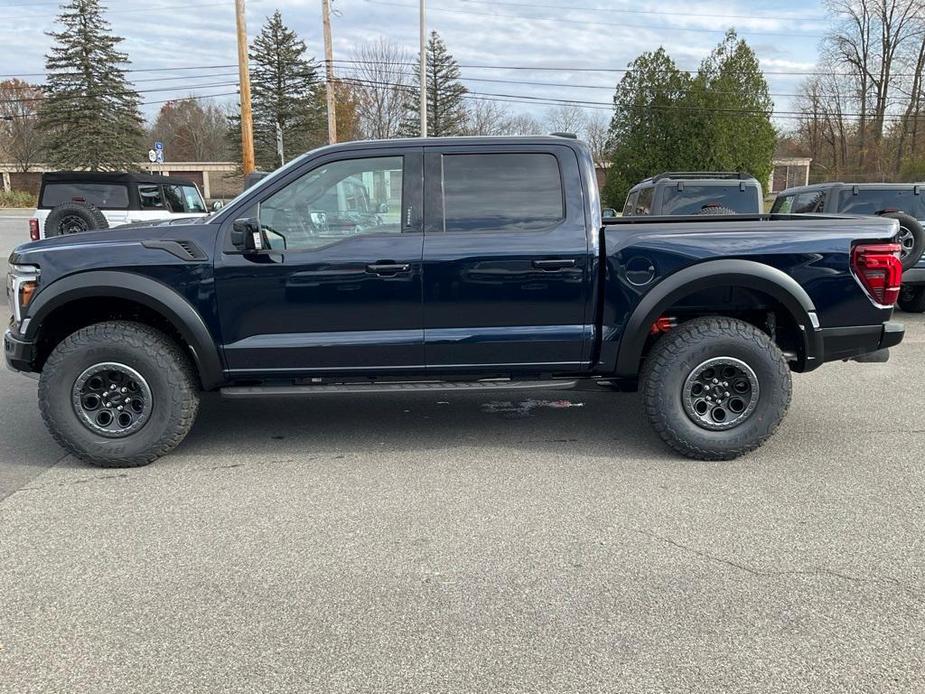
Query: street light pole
{"x": 423, "y": 42}
{"x": 244, "y": 80}
{"x": 329, "y": 70}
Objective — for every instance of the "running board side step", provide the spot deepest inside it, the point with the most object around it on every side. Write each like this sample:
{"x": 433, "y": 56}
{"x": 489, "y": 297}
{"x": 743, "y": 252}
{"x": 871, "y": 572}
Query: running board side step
{"x": 397, "y": 387}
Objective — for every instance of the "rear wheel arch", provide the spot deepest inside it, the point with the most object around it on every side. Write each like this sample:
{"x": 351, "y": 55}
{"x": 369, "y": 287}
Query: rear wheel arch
{"x": 77, "y": 300}
{"x": 733, "y": 273}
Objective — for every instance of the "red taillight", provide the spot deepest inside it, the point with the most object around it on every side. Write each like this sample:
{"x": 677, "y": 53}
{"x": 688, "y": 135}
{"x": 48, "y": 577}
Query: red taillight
{"x": 34, "y": 229}
{"x": 879, "y": 269}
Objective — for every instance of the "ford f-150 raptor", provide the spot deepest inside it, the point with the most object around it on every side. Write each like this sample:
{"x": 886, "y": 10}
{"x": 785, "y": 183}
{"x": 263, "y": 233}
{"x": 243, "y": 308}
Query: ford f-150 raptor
{"x": 432, "y": 264}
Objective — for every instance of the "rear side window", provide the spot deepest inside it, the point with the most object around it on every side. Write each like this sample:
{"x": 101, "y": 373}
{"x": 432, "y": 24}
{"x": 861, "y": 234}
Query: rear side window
{"x": 151, "y": 197}
{"x": 872, "y": 201}
{"x": 694, "y": 199}
{"x": 102, "y": 195}
{"x": 502, "y": 192}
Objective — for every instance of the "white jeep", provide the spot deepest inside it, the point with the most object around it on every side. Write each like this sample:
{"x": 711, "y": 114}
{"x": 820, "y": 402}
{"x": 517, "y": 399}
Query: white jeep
{"x": 74, "y": 201}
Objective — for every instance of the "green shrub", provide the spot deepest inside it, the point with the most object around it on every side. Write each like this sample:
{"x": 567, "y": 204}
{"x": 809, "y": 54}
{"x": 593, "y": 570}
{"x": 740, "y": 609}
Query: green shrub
{"x": 17, "y": 198}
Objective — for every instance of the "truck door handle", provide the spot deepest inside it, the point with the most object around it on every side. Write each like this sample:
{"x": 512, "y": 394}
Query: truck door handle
{"x": 387, "y": 268}
{"x": 558, "y": 264}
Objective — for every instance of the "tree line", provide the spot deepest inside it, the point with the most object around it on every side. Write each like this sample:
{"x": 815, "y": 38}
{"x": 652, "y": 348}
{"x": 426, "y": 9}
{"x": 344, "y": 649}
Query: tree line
{"x": 861, "y": 116}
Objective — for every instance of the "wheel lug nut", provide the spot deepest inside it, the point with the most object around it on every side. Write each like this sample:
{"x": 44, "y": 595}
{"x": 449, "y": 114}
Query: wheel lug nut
{"x": 119, "y": 408}
{"x": 113, "y": 386}
{"x": 124, "y": 390}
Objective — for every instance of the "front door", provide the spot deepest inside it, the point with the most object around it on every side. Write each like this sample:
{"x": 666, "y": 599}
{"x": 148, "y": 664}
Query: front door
{"x": 339, "y": 289}
{"x": 506, "y": 260}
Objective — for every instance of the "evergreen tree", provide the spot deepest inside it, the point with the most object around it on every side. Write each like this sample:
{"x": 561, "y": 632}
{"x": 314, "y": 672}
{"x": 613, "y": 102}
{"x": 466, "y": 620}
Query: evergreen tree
{"x": 446, "y": 109}
{"x": 647, "y": 132}
{"x": 90, "y": 113}
{"x": 665, "y": 120}
{"x": 285, "y": 89}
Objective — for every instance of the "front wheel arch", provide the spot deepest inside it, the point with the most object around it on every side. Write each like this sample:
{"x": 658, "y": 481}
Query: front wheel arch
{"x": 96, "y": 288}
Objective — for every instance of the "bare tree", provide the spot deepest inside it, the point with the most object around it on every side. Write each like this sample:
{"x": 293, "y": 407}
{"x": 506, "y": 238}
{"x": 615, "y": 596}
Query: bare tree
{"x": 382, "y": 80}
{"x": 20, "y": 138}
{"x": 596, "y": 132}
{"x": 487, "y": 118}
{"x": 566, "y": 118}
{"x": 191, "y": 130}
{"x": 524, "y": 124}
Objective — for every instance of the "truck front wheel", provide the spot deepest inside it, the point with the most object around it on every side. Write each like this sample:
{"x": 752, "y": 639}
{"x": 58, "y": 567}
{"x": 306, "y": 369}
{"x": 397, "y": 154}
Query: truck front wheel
{"x": 118, "y": 394}
{"x": 715, "y": 388}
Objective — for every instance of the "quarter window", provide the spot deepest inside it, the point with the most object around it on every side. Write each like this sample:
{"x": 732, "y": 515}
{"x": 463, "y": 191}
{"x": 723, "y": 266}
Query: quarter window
{"x": 337, "y": 200}
{"x": 102, "y": 195}
{"x": 502, "y": 192}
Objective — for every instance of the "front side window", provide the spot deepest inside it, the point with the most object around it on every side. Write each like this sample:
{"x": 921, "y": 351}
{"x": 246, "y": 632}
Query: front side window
{"x": 644, "y": 204}
{"x": 812, "y": 202}
{"x": 629, "y": 209}
{"x": 783, "y": 204}
{"x": 151, "y": 198}
{"x": 502, "y": 192}
{"x": 105, "y": 196}
{"x": 337, "y": 200}
{"x": 182, "y": 198}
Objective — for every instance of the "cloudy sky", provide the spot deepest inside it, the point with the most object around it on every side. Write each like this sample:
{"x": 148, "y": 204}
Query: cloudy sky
{"x": 581, "y": 36}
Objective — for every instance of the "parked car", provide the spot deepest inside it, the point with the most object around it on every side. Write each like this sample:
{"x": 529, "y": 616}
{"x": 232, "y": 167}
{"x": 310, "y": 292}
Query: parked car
{"x": 902, "y": 201}
{"x": 507, "y": 278}
{"x": 71, "y": 202}
{"x": 695, "y": 193}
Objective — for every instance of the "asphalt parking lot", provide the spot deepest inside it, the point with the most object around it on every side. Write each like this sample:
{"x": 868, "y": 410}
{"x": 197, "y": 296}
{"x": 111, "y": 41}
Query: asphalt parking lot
{"x": 545, "y": 542}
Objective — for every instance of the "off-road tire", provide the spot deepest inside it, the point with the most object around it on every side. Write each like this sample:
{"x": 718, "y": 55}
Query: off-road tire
{"x": 166, "y": 369}
{"x": 912, "y": 298}
{"x": 676, "y": 354}
{"x": 89, "y": 215}
{"x": 914, "y": 244}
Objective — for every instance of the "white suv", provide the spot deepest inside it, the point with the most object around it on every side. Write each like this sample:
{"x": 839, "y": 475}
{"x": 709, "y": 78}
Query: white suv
{"x": 76, "y": 201}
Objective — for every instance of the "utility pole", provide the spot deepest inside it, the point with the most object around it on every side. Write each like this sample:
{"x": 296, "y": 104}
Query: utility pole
{"x": 329, "y": 70}
{"x": 423, "y": 42}
{"x": 244, "y": 80}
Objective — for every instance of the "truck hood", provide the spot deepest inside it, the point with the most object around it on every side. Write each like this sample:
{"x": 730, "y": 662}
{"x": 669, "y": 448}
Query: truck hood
{"x": 191, "y": 229}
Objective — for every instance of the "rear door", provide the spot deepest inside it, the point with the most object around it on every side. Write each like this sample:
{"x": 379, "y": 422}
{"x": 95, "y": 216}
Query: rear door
{"x": 506, "y": 260}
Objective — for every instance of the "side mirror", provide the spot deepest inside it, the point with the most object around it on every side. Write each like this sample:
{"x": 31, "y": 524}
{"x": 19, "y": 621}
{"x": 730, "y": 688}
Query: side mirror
{"x": 217, "y": 205}
{"x": 246, "y": 235}
{"x": 383, "y": 208}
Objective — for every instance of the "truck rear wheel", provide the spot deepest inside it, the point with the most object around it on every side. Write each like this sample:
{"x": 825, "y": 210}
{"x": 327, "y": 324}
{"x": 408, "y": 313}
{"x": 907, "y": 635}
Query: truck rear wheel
{"x": 118, "y": 394}
{"x": 715, "y": 388}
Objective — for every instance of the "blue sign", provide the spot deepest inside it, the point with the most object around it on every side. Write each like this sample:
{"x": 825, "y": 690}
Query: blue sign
{"x": 158, "y": 145}
{"x": 160, "y": 156}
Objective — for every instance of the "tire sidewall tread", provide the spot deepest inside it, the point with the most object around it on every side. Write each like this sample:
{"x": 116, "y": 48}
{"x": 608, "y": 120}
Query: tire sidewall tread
{"x": 677, "y": 353}
{"x": 164, "y": 366}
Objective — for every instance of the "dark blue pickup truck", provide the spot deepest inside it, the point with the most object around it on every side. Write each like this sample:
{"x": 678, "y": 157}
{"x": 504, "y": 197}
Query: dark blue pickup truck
{"x": 444, "y": 264}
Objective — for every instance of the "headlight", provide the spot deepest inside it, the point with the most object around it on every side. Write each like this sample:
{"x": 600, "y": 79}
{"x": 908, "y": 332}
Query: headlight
{"x": 21, "y": 284}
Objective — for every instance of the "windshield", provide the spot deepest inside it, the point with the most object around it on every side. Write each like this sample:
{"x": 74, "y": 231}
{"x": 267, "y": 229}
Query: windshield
{"x": 693, "y": 199}
{"x": 263, "y": 182}
{"x": 871, "y": 201}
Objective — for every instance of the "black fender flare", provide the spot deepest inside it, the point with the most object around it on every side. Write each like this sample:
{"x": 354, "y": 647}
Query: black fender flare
{"x": 145, "y": 291}
{"x": 720, "y": 273}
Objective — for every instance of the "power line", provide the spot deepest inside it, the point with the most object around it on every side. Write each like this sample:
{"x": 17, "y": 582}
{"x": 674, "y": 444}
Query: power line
{"x": 611, "y": 10}
{"x": 151, "y": 8}
{"x": 563, "y": 20}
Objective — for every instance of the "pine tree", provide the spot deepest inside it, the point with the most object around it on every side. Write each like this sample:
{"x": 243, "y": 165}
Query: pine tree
{"x": 285, "y": 89}
{"x": 446, "y": 109}
{"x": 90, "y": 113}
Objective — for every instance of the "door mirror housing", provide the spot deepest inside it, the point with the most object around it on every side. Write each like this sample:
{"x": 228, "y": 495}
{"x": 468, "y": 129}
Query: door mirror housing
{"x": 217, "y": 205}
{"x": 247, "y": 236}
{"x": 383, "y": 208}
